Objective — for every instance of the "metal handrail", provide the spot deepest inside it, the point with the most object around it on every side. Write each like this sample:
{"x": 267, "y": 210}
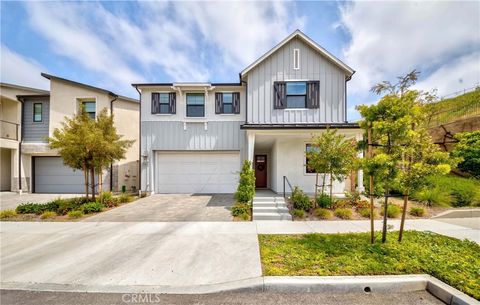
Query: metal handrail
{"x": 9, "y": 130}
{"x": 285, "y": 179}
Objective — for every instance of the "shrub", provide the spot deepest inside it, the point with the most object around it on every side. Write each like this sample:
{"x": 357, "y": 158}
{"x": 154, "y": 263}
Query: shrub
{"x": 393, "y": 211}
{"x": 92, "y": 207}
{"x": 463, "y": 195}
{"x": 417, "y": 211}
{"x": 107, "y": 199}
{"x": 353, "y": 197}
{"x": 75, "y": 214}
{"x": 468, "y": 148}
{"x": 29, "y": 208}
{"x": 246, "y": 185}
{"x": 433, "y": 196}
{"x": 7, "y": 214}
{"x": 323, "y": 213}
{"x": 362, "y": 204}
{"x": 343, "y": 213}
{"x": 48, "y": 215}
{"x": 241, "y": 208}
{"x": 324, "y": 201}
{"x": 365, "y": 212}
{"x": 125, "y": 198}
{"x": 298, "y": 213}
{"x": 342, "y": 204}
{"x": 300, "y": 200}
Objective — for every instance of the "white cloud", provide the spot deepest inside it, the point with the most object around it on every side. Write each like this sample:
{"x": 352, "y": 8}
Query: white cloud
{"x": 19, "y": 70}
{"x": 389, "y": 39}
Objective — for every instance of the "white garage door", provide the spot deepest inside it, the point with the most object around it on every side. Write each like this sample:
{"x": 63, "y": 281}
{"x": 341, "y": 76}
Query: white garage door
{"x": 51, "y": 176}
{"x": 197, "y": 172}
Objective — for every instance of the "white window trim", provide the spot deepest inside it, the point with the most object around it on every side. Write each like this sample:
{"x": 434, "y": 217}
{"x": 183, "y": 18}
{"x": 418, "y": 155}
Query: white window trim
{"x": 296, "y": 59}
{"x": 196, "y": 118}
{"x": 161, "y": 114}
{"x": 230, "y": 114}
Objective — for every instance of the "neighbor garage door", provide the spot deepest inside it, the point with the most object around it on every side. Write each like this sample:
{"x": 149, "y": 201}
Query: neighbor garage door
{"x": 51, "y": 176}
{"x": 197, "y": 172}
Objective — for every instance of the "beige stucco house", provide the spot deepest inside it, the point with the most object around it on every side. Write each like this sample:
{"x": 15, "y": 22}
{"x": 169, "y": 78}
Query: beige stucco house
{"x": 39, "y": 112}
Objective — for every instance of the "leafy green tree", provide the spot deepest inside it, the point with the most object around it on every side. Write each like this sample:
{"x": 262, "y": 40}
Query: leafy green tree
{"x": 468, "y": 149}
{"x": 392, "y": 123}
{"x": 246, "y": 185}
{"x": 331, "y": 154}
{"x": 89, "y": 145}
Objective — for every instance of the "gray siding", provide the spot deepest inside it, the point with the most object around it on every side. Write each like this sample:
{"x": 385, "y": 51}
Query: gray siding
{"x": 35, "y": 131}
{"x": 170, "y": 135}
{"x": 279, "y": 67}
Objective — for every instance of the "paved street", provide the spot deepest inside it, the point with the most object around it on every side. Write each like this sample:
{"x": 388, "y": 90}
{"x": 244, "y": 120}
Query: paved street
{"x": 10, "y": 297}
{"x": 172, "y": 207}
{"x": 10, "y": 200}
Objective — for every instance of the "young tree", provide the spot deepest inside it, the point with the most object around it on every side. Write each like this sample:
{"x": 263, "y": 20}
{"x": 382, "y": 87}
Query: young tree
{"x": 89, "y": 145}
{"x": 246, "y": 185}
{"x": 331, "y": 154}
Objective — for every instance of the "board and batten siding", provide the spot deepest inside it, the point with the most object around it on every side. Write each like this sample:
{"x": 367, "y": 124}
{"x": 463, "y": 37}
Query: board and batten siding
{"x": 279, "y": 67}
{"x": 35, "y": 131}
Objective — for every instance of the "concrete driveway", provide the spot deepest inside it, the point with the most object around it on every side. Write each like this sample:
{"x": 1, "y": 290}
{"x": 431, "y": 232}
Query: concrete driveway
{"x": 172, "y": 207}
{"x": 10, "y": 200}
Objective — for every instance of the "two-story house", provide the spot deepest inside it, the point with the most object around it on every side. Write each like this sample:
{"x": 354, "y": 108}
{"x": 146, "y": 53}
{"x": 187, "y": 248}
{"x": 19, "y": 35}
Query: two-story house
{"x": 194, "y": 136}
{"x": 38, "y": 169}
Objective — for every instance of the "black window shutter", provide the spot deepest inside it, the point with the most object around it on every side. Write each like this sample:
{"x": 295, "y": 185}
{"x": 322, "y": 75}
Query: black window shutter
{"x": 155, "y": 103}
{"x": 236, "y": 102}
{"x": 313, "y": 94}
{"x": 172, "y": 102}
{"x": 279, "y": 95}
{"x": 218, "y": 102}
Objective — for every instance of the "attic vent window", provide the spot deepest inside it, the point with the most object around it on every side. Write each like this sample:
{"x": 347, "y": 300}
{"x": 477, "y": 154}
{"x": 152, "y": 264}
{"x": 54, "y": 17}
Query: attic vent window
{"x": 296, "y": 59}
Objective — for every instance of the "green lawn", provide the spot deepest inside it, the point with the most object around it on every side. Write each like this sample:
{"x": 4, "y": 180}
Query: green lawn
{"x": 453, "y": 261}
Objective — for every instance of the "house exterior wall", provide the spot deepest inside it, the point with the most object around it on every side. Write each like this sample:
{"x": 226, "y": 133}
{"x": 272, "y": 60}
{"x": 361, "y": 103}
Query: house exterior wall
{"x": 35, "y": 131}
{"x": 279, "y": 67}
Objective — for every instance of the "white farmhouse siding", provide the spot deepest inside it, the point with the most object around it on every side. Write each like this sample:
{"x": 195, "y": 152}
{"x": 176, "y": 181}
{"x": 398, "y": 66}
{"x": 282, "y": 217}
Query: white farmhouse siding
{"x": 279, "y": 67}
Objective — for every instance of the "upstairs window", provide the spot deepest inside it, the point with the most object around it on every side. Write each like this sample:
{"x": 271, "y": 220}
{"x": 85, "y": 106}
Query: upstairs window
{"x": 37, "y": 112}
{"x": 296, "y": 95}
{"x": 227, "y": 102}
{"x": 89, "y": 108}
{"x": 163, "y": 103}
{"x": 195, "y": 105}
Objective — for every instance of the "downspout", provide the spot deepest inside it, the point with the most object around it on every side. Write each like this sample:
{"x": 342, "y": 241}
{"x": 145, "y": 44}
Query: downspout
{"x": 20, "y": 147}
{"x": 139, "y": 142}
{"x": 111, "y": 164}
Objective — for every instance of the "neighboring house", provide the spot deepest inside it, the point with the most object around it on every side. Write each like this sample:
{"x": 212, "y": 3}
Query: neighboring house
{"x": 194, "y": 136}
{"x": 42, "y": 170}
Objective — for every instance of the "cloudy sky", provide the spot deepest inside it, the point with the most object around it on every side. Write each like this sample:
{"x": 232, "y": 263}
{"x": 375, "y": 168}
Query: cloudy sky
{"x": 113, "y": 44}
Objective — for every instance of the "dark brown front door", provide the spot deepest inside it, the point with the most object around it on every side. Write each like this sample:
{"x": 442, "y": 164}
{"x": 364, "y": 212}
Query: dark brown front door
{"x": 260, "y": 171}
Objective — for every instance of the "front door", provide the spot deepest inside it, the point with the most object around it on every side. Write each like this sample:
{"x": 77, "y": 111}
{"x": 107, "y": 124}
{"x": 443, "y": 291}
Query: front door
{"x": 260, "y": 171}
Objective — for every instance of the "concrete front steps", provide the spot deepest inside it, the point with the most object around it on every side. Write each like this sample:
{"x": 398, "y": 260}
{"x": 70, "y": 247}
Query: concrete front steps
{"x": 270, "y": 208}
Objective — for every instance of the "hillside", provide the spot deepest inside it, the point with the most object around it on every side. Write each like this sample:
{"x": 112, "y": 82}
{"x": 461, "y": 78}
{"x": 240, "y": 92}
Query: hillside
{"x": 455, "y": 108}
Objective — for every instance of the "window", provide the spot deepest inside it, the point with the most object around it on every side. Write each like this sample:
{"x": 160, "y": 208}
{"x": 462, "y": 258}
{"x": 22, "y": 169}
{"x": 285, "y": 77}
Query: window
{"x": 296, "y": 95}
{"x": 37, "y": 112}
{"x": 227, "y": 103}
{"x": 195, "y": 105}
{"x": 89, "y": 108}
{"x": 164, "y": 103}
{"x": 308, "y": 148}
{"x": 296, "y": 59}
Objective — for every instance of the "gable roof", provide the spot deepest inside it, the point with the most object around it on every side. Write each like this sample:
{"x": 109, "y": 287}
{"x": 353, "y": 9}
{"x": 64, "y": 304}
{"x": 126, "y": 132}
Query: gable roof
{"x": 50, "y": 77}
{"x": 309, "y": 42}
{"x": 18, "y": 87}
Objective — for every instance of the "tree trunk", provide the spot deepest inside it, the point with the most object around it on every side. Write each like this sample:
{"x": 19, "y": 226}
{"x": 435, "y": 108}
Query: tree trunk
{"x": 331, "y": 187}
{"x": 85, "y": 177}
{"x": 92, "y": 176}
{"x": 323, "y": 183}
{"x": 100, "y": 180}
{"x": 402, "y": 222}
{"x": 370, "y": 155}
{"x": 316, "y": 191}
{"x": 385, "y": 209}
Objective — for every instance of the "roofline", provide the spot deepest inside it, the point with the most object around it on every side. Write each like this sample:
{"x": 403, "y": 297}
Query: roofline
{"x": 184, "y": 84}
{"x": 50, "y": 77}
{"x": 346, "y": 125}
{"x": 312, "y": 43}
{"x": 20, "y": 96}
{"x": 24, "y": 88}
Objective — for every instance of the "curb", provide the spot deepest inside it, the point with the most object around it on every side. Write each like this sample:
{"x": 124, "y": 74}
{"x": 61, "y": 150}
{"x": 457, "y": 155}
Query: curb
{"x": 458, "y": 213}
{"x": 285, "y": 284}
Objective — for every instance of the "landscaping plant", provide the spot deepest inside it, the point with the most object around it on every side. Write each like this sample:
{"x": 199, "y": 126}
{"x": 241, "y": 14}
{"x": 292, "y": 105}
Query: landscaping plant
{"x": 393, "y": 211}
{"x": 417, "y": 211}
{"x": 468, "y": 149}
{"x": 246, "y": 185}
{"x": 239, "y": 209}
{"x": 298, "y": 213}
{"x": 300, "y": 200}
{"x": 323, "y": 213}
{"x": 323, "y": 201}
{"x": 7, "y": 214}
{"x": 343, "y": 213}
{"x": 75, "y": 214}
{"x": 92, "y": 207}
{"x": 48, "y": 215}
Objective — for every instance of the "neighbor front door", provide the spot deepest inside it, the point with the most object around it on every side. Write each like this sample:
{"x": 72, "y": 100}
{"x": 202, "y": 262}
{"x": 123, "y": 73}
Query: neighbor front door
{"x": 260, "y": 171}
